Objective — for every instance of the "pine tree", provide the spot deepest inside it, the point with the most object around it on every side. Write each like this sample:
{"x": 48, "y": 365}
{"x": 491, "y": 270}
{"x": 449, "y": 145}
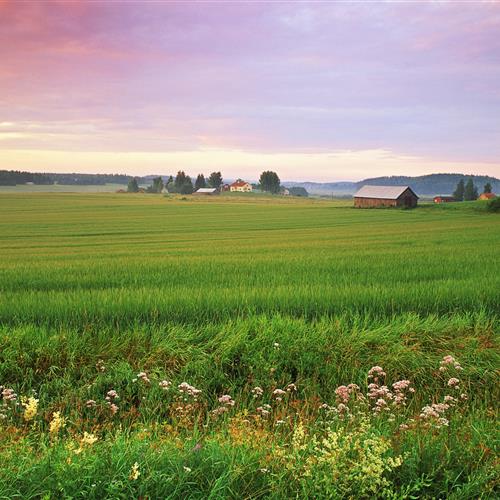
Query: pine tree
{"x": 133, "y": 186}
{"x": 200, "y": 182}
{"x": 459, "y": 191}
{"x": 487, "y": 188}
{"x": 470, "y": 191}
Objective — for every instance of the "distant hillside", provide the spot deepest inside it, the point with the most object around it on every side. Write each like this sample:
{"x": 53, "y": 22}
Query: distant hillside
{"x": 426, "y": 185}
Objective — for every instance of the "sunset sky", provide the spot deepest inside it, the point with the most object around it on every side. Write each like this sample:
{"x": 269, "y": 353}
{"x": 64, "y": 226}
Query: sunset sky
{"x": 315, "y": 90}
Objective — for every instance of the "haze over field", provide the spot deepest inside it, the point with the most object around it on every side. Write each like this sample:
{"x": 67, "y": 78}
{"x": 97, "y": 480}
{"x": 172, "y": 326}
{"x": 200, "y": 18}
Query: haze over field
{"x": 318, "y": 92}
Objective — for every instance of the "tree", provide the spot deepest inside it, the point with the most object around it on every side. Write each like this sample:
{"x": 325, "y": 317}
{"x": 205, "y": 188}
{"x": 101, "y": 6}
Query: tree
{"x": 180, "y": 180}
{"x": 133, "y": 185}
{"x": 269, "y": 181}
{"x": 470, "y": 191}
{"x": 215, "y": 180}
{"x": 187, "y": 187}
{"x": 200, "y": 182}
{"x": 487, "y": 188}
{"x": 158, "y": 185}
{"x": 459, "y": 191}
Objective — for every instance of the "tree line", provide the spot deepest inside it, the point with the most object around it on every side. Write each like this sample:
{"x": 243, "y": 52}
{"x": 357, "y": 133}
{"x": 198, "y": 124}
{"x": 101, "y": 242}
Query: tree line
{"x": 468, "y": 191}
{"x": 183, "y": 184}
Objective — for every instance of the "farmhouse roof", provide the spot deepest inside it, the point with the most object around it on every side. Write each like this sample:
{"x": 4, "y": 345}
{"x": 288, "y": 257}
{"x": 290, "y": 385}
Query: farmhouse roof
{"x": 206, "y": 190}
{"x": 239, "y": 184}
{"x": 382, "y": 192}
{"x": 487, "y": 196}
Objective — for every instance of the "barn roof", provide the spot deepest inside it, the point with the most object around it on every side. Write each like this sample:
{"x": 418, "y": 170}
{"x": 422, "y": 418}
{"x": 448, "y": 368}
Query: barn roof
{"x": 206, "y": 190}
{"x": 382, "y": 192}
{"x": 239, "y": 183}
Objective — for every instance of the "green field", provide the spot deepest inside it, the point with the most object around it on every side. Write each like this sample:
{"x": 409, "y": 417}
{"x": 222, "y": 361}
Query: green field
{"x": 227, "y": 294}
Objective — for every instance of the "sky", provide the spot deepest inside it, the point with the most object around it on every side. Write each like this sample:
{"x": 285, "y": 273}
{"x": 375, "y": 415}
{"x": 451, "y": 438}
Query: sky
{"x": 316, "y": 91}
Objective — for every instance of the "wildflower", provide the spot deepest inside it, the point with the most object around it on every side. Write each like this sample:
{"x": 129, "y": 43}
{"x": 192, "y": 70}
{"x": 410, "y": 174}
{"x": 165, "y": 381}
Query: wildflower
{"x": 449, "y": 399}
{"x": 375, "y": 372}
{"x": 264, "y": 471}
{"x": 189, "y": 390}
{"x": 112, "y": 394}
{"x": 165, "y": 384}
{"x": 88, "y": 439}
{"x": 134, "y": 472}
{"x": 56, "y": 424}
{"x": 226, "y": 400}
{"x": 291, "y": 388}
{"x": 90, "y": 403}
{"x": 187, "y": 469}
{"x": 114, "y": 408}
{"x": 143, "y": 376}
{"x": 453, "y": 382}
{"x": 264, "y": 410}
{"x": 100, "y": 366}
{"x": 463, "y": 396}
{"x": 279, "y": 422}
{"x": 278, "y": 394}
{"x": 257, "y": 392}
{"x": 30, "y": 408}
{"x": 447, "y": 361}
{"x": 276, "y": 345}
{"x": 404, "y": 427}
{"x": 9, "y": 395}
{"x": 343, "y": 393}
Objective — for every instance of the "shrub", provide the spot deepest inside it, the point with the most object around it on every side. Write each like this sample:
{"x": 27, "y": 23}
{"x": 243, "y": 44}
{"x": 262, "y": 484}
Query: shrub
{"x": 494, "y": 205}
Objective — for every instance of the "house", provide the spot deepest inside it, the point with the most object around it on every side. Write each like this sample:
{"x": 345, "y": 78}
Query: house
{"x": 225, "y": 187}
{"x": 385, "y": 196}
{"x": 444, "y": 199}
{"x": 206, "y": 191}
{"x": 240, "y": 186}
{"x": 487, "y": 196}
{"x": 285, "y": 192}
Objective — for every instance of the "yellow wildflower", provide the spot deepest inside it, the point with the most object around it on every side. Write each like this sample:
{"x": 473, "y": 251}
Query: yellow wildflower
{"x": 30, "y": 408}
{"x": 134, "y": 472}
{"x": 56, "y": 424}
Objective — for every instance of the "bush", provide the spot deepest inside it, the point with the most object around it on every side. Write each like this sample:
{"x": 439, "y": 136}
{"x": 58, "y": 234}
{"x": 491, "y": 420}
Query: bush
{"x": 494, "y": 205}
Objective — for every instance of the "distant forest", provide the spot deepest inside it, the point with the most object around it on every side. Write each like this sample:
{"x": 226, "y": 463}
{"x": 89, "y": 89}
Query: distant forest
{"x": 14, "y": 177}
{"x": 433, "y": 183}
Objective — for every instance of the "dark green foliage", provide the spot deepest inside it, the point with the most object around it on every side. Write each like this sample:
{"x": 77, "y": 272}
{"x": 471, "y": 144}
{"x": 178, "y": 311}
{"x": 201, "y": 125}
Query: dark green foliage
{"x": 487, "y": 188}
{"x": 298, "y": 191}
{"x": 200, "y": 182}
{"x": 187, "y": 186}
{"x": 157, "y": 186}
{"x": 458, "y": 194}
{"x": 470, "y": 191}
{"x": 270, "y": 182}
{"x": 133, "y": 185}
{"x": 493, "y": 205}
{"x": 215, "y": 180}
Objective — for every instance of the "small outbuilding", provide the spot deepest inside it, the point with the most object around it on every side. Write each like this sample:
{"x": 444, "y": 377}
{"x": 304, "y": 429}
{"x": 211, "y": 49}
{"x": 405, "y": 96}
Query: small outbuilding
{"x": 385, "y": 196}
{"x": 444, "y": 199}
{"x": 207, "y": 191}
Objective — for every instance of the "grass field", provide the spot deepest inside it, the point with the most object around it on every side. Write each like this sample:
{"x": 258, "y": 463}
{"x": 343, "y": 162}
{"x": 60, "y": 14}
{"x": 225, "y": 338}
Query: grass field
{"x": 233, "y": 293}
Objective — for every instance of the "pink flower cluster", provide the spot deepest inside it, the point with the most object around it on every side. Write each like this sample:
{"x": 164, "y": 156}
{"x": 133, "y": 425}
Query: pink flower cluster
{"x": 278, "y": 394}
{"x": 189, "y": 390}
{"x": 111, "y": 396}
{"x": 8, "y": 395}
{"x": 257, "y": 392}
{"x": 144, "y": 377}
{"x": 227, "y": 402}
{"x": 447, "y": 362}
{"x": 264, "y": 410}
{"x": 165, "y": 384}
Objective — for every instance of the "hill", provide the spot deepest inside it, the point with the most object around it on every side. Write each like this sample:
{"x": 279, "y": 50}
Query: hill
{"x": 426, "y": 185}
